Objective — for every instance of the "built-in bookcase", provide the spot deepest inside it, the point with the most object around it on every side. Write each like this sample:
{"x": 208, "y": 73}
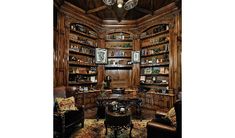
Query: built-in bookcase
{"x": 119, "y": 67}
{"x": 81, "y": 64}
{"x": 154, "y": 67}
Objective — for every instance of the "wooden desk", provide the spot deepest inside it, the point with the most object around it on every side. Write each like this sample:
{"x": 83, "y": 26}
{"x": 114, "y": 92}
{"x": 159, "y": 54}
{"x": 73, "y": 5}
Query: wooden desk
{"x": 127, "y": 91}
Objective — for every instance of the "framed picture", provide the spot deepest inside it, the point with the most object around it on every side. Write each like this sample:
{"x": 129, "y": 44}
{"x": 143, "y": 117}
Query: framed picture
{"x": 100, "y": 56}
{"x": 135, "y": 56}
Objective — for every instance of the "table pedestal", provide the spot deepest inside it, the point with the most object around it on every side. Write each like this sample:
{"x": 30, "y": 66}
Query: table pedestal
{"x": 117, "y": 121}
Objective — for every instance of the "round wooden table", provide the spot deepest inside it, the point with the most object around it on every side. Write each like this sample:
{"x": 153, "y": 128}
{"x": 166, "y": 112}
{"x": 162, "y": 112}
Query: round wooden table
{"x": 117, "y": 121}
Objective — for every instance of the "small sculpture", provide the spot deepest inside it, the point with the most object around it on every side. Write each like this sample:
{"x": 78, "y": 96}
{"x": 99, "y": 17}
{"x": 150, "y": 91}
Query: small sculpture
{"x": 108, "y": 81}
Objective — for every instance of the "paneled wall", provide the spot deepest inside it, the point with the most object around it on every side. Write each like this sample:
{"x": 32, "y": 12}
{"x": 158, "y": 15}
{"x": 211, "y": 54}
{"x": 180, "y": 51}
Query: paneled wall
{"x": 67, "y": 14}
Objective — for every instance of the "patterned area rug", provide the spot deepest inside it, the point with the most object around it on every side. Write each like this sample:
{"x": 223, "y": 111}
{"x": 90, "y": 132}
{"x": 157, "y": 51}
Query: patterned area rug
{"x": 96, "y": 129}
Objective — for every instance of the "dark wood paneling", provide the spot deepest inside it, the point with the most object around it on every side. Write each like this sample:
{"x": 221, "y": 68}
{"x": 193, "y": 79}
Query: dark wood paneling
{"x": 120, "y": 78}
{"x": 60, "y": 48}
{"x": 131, "y": 76}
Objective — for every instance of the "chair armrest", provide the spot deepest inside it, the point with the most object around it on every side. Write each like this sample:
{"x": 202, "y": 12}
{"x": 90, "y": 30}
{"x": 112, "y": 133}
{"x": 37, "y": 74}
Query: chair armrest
{"x": 160, "y": 114}
{"x": 159, "y": 126}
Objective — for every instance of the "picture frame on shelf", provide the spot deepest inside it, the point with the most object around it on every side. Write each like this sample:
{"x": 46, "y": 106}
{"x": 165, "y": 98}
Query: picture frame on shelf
{"x": 101, "y": 56}
{"x": 166, "y": 47}
{"x": 142, "y": 78}
{"x": 135, "y": 56}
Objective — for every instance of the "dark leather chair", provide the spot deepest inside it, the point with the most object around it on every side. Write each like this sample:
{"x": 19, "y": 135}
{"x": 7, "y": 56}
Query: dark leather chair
{"x": 157, "y": 129}
{"x": 65, "y": 124}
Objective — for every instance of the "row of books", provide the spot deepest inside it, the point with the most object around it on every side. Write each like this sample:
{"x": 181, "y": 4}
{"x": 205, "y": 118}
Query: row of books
{"x": 82, "y": 49}
{"x": 82, "y": 40}
{"x": 155, "y": 70}
{"x": 155, "y": 50}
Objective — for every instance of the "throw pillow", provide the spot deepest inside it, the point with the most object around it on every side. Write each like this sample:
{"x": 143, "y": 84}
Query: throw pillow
{"x": 171, "y": 116}
{"x": 65, "y": 104}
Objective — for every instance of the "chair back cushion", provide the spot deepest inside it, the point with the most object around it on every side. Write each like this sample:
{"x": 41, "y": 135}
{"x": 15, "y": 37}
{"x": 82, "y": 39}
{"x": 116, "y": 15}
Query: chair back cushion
{"x": 66, "y": 104}
{"x": 171, "y": 116}
{"x": 60, "y": 92}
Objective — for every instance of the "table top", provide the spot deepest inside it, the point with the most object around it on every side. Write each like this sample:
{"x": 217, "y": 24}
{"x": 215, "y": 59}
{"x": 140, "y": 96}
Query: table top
{"x": 117, "y": 113}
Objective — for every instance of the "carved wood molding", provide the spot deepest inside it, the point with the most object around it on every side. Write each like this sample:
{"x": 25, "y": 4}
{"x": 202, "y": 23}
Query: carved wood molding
{"x": 77, "y": 15}
{"x": 165, "y": 19}
{"x": 116, "y": 23}
{"x": 58, "y": 3}
{"x": 73, "y": 19}
{"x": 97, "y": 9}
{"x": 157, "y": 14}
{"x": 74, "y": 11}
{"x": 119, "y": 30}
{"x": 151, "y": 24}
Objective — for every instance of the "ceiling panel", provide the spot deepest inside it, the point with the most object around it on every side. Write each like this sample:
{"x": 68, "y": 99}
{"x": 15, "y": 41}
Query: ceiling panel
{"x": 97, "y": 8}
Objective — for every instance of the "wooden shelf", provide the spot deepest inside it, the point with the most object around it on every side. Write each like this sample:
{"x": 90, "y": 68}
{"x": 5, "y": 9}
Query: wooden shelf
{"x": 87, "y": 92}
{"x": 76, "y": 52}
{"x": 92, "y": 74}
{"x": 165, "y": 94}
{"x": 118, "y": 66}
{"x": 150, "y": 55}
{"x": 154, "y": 75}
{"x": 157, "y": 84}
{"x": 119, "y": 48}
{"x": 152, "y": 35}
{"x": 77, "y": 42}
{"x": 81, "y": 83}
{"x": 83, "y": 34}
{"x": 77, "y": 64}
{"x": 118, "y": 57}
{"x": 143, "y": 47}
{"x": 154, "y": 65}
{"x": 117, "y": 40}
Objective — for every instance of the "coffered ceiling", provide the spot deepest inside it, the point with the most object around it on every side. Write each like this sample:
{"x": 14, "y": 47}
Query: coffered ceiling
{"x": 105, "y": 12}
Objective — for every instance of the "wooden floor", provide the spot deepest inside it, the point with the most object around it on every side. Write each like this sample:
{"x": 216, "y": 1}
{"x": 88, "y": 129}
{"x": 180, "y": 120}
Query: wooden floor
{"x": 91, "y": 113}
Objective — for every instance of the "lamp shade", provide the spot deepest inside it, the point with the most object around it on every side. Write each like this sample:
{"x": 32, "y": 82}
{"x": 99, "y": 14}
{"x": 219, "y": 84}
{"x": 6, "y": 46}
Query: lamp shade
{"x": 130, "y": 4}
{"x": 109, "y": 2}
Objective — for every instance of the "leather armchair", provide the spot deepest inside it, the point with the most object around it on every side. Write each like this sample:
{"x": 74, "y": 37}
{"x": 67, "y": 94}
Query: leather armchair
{"x": 161, "y": 129}
{"x": 65, "y": 123}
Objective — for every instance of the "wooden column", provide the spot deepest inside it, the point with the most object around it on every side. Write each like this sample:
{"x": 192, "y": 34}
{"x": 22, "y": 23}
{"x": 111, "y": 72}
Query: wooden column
{"x": 178, "y": 79}
{"x": 175, "y": 55}
{"x": 100, "y": 68}
{"x": 136, "y": 67}
{"x": 60, "y": 56}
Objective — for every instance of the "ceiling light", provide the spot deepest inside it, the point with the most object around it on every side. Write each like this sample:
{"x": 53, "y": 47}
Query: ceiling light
{"x": 109, "y": 2}
{"x": 119, "y": 3}
{"x": 130, "y": 4}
